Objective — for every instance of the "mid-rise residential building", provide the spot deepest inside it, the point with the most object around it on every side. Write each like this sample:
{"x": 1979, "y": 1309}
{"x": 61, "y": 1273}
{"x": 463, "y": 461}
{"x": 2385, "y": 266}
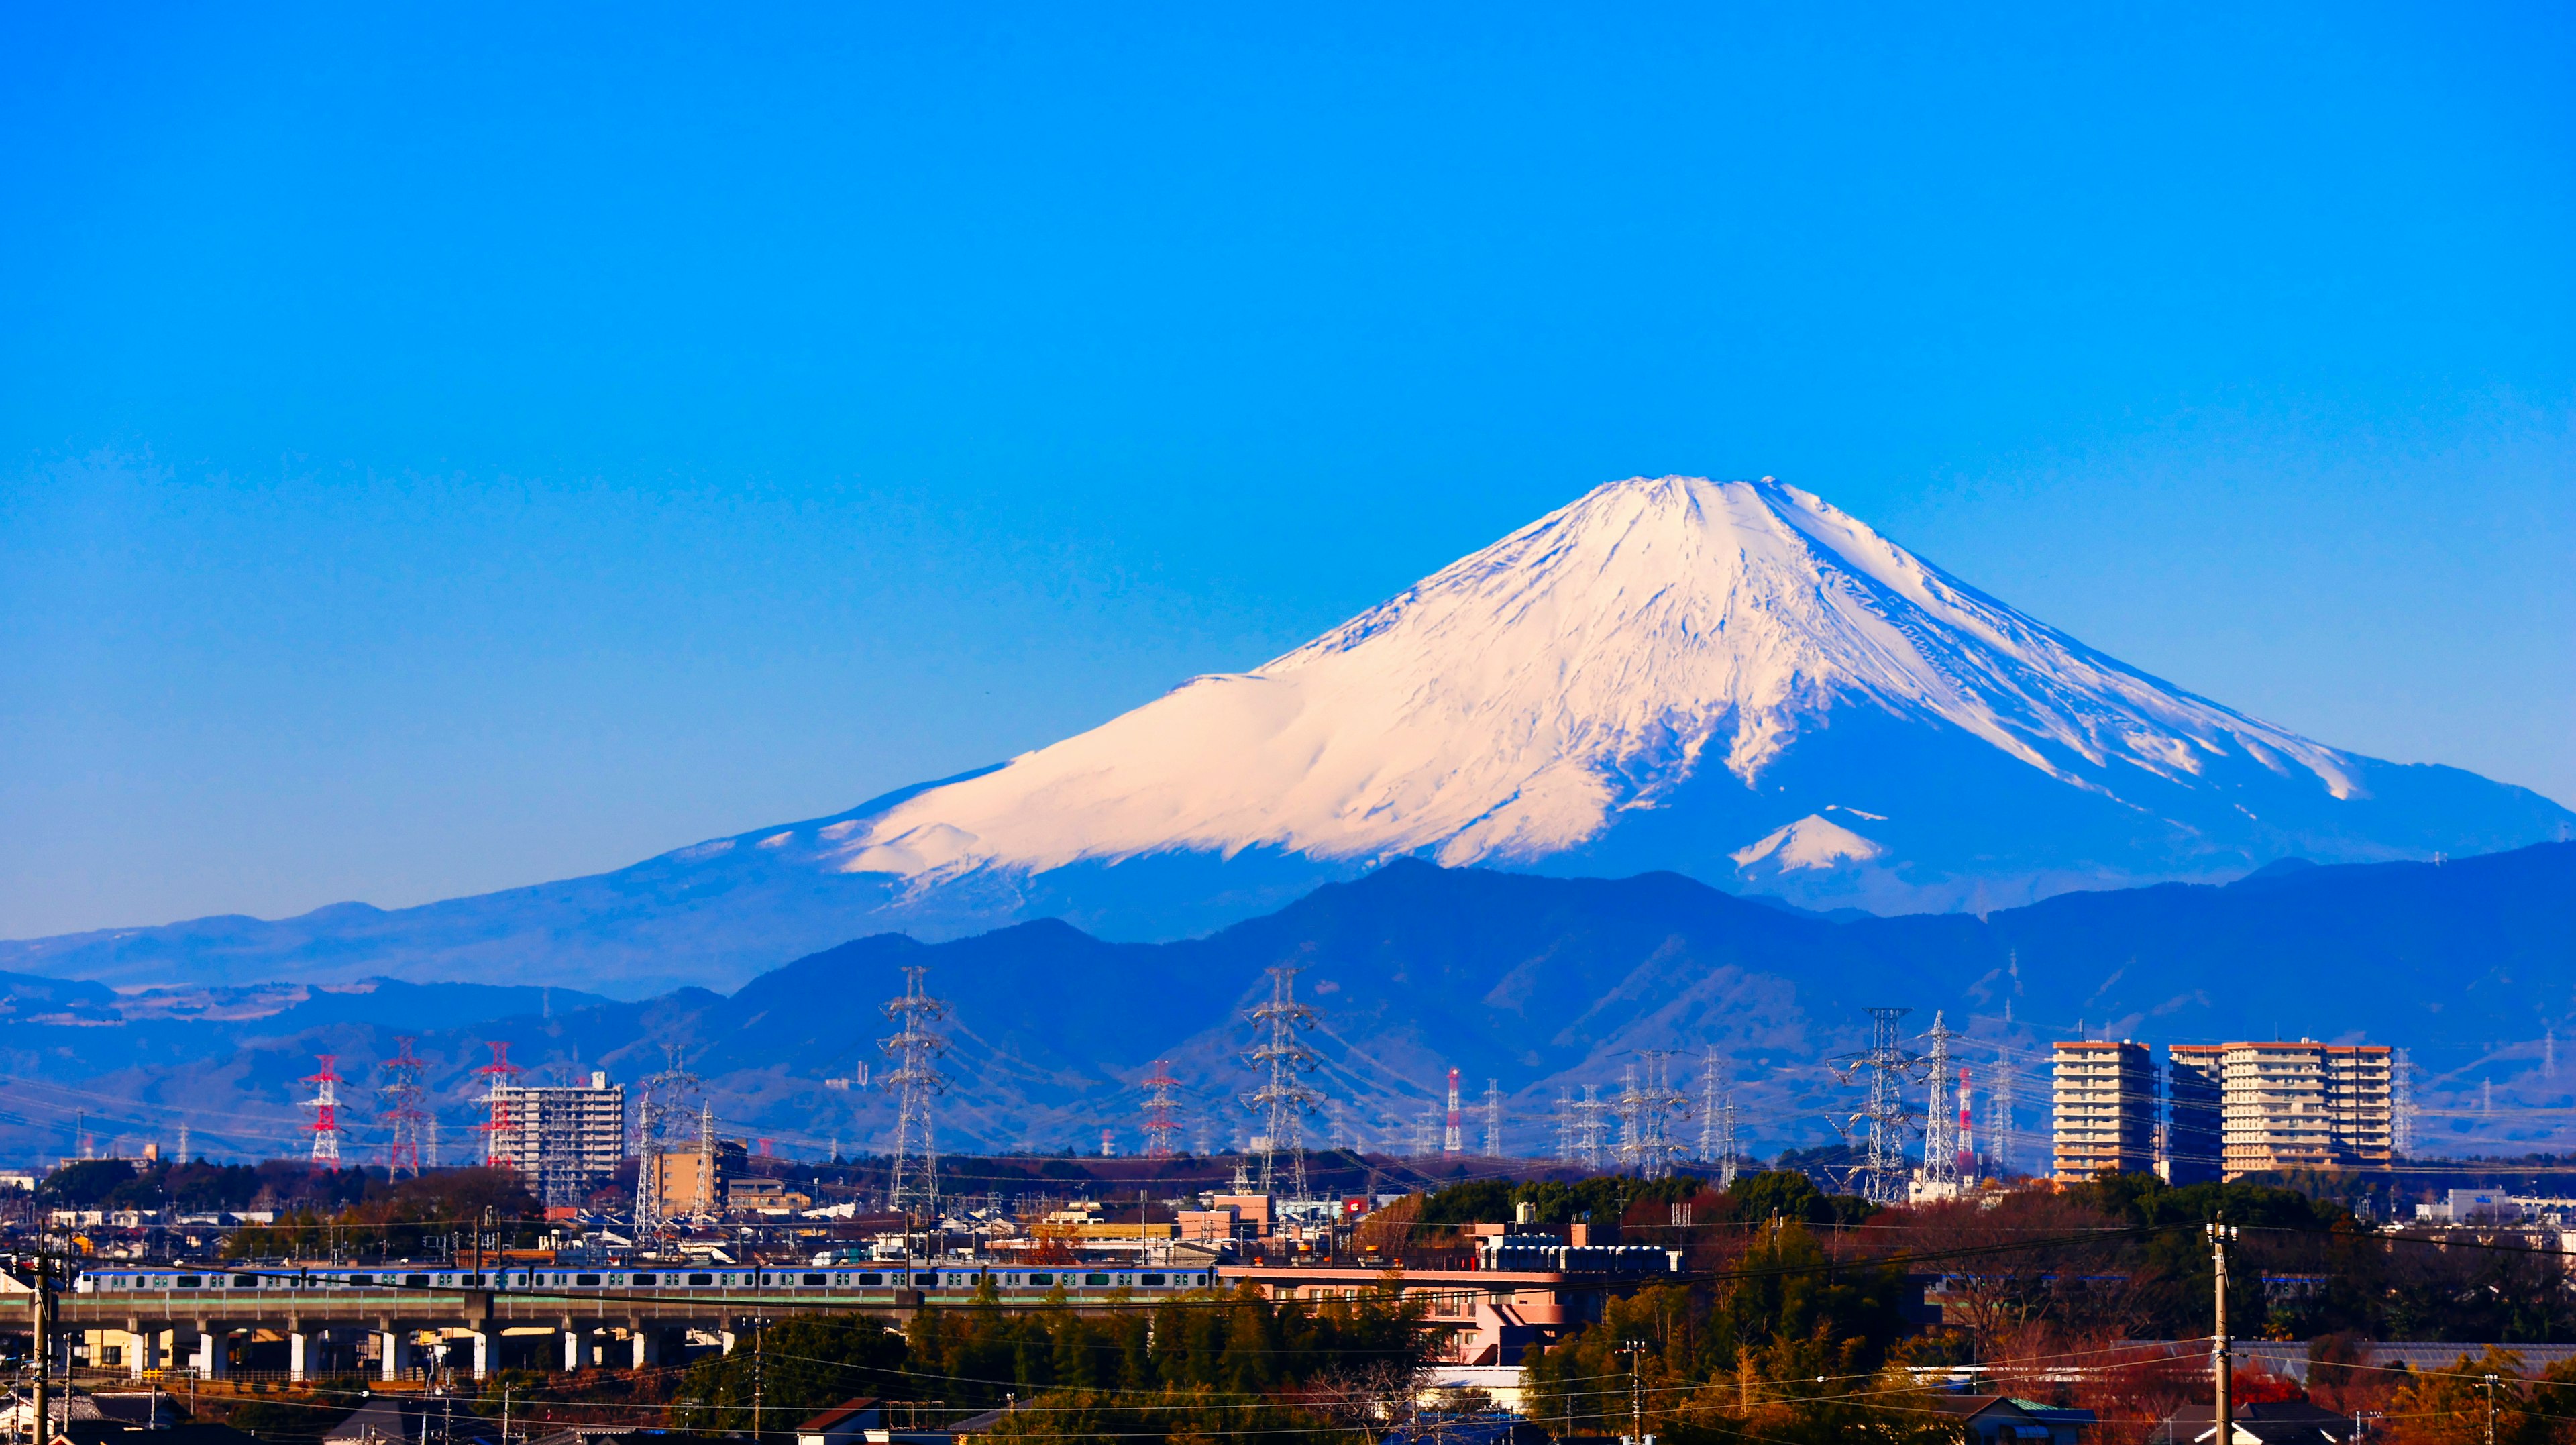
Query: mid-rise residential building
{"x": 2306, "y": 1105}
{"x": 2104, "y": 1103}
{"x": 566, "y": 1140}
{"x": 2195, "y": 1113}
{"x": 697, "y": 1183}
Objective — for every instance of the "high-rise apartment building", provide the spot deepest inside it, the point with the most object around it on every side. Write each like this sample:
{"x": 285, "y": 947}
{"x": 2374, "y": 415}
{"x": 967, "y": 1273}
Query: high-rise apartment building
{"x": 2104, "y": 1104}
{"x": 566, "y": 1140}
{"x": 2306, "y": 1105}
{"x": 2195, "y": 1112}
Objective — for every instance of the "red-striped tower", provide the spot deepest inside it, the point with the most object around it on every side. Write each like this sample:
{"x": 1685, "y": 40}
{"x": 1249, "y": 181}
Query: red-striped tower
{"x": 325, "y": 1105}
{"x": 499, "y": 1129}
{"x": 1967, "y": 1142}
{"x": 1161, "y": 1125}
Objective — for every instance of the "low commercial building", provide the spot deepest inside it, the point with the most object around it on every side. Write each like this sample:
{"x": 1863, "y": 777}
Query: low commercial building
{"x": 2104, "y": 1103}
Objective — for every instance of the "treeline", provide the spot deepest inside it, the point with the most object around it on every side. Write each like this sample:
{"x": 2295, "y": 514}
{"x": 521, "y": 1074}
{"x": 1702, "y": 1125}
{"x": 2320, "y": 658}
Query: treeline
{"x": 406, "y": 1219}
{"x": 1211, "y": 1365}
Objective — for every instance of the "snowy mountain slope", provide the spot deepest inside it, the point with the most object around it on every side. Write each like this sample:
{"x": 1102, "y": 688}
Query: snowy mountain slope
{"x": 1517, "y": 705}
{"x": 1734, "y": 681}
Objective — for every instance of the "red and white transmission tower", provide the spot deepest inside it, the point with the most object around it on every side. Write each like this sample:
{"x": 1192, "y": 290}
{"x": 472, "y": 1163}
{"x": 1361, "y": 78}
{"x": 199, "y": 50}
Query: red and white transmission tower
{"x": 325, "y": 1105}
{"x": 1161, "y": 1126}
{"x": 404, "y": 1119}
{"x": 1455, "y": 1140}
{"x": 498, "y": 1131}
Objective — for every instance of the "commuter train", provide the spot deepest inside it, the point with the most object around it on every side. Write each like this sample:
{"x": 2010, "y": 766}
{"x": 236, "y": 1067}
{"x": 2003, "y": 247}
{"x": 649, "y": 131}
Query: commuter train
{"x": 930, "y": 1279}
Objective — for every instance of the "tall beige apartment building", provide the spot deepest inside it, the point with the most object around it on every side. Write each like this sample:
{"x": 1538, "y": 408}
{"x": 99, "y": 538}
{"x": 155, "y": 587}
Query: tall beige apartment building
{"x": 2104, "y": 1107}
{"x": 2306, "y": 1105}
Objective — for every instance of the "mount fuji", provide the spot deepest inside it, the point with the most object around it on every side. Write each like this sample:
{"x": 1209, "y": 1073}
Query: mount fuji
{"x": 1735, "y": 681}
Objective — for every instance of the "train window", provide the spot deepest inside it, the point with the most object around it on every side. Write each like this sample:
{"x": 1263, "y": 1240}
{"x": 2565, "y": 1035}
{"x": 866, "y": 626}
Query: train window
{"x": 1152, "y": 1280}
{"x": 367, "y": 1279}
{"x": 647, "y": 1281}
{"x": 470, "y": 1281}
{"x": 1095, "y": 1281}
{"x": 592, "y": 1281}
{"x": 872, "y": 1281}
{"x": 1043, "y": 1280}
{"x": 926, "y": 1280}
{"x": 702, "y": 1279}
{"x": 190, "y": 1281}
{"x": 415, "y": 1281}
{"x": 816, "y": 1279}
{"x": 251, "y": 1281}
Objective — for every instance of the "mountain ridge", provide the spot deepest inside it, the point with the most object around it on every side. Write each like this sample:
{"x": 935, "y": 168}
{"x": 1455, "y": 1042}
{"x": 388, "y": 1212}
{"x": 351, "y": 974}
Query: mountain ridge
{"x": 1734, "y": 681}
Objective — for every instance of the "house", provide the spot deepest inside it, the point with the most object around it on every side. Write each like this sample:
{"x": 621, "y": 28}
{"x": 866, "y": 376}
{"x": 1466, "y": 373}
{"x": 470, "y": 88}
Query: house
{"x": 847, "y": 1423}
{"x": 1998, "y": 1419}
{"x": 394, "y": 1419}
{"x": 2272, "y": 1422}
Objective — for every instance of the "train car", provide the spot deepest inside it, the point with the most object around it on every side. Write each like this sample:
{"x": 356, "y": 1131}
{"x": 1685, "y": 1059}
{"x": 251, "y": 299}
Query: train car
{"x": 883, "y": 1279}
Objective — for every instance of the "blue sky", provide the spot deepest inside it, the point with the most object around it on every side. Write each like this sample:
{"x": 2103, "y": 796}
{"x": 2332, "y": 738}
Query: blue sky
{"x": 458, "y": 448}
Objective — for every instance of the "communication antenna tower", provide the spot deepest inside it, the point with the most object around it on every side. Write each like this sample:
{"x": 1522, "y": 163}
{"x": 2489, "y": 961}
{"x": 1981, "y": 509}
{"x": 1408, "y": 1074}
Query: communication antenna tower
{"x": 1283, "y": 1100}
{"x": 183, "y": 1141}
{"x": 403, "y": 1117}
{"x": 1161, "y": 1126}
{"x": 501, "y": 1129}
{"x": 1940, "y": 1134}
{"x": 1883, "y": 1120}
{"x": 1453, "y": 1139}
{"x": 658, "y": 1105}
{"x": 1493, "y": 1118}
{"x": 325, "y": 1105}
{"x": 917, "y": 1080}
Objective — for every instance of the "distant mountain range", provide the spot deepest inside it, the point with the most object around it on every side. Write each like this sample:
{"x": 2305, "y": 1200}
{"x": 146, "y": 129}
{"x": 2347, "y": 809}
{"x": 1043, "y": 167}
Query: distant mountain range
{"x": 1732, "y": 681}
{"x": 1541, "y": 984}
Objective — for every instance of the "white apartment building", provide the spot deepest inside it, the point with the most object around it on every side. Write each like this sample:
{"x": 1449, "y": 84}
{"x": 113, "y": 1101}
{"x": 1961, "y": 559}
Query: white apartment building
{"x": 566, "y": 1140}
{"x": 2306, "y": 1105}
{"x": 2104, "y": 1109}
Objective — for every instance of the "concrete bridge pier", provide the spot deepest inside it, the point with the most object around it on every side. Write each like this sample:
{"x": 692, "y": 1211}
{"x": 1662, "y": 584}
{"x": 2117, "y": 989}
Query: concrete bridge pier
{"x": 645, "y": 1343}
{"x": 302, "y": 1351}
{"x": 209, "y": 1360}
{"x": 482, "y": 1353}
{"x": 576, "y": 1348}
{"x": 397, "y": 1357}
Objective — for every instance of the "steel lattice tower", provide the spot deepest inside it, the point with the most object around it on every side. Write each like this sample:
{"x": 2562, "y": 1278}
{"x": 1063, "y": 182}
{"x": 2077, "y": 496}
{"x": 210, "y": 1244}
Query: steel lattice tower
{"x": 404, "y": 1119}
{"x": 1493, "y": 1118}
{"x": 914, "y": 1183}
{"x": 2000, "y": 1103}
{"x": 1883, "y": 1120}
{"x": 325, "y": 1105}
{"x": 497, "y": 1150}
{"x": 1283, "y": 1099}
{"x": 1161, "y": 1126}
{"x": 654, "y": 1110}
{"x": 1717, "y": 1119}
{"x": 1645, "y": 1108}
{"x": 1591, "y": 1127}
{"x": 1940, "y": 1132}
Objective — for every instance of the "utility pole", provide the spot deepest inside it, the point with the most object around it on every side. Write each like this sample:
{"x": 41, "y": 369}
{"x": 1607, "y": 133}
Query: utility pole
{"x": 2221, "y": 1349}
{"x": 44, "y": 1350}
{"x": 1636, "y": 1389}
{"x": 2491, "y": 1384}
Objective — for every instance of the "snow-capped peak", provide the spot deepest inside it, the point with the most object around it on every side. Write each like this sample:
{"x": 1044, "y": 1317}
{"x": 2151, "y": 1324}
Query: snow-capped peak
{"x": 1511, "y": 705}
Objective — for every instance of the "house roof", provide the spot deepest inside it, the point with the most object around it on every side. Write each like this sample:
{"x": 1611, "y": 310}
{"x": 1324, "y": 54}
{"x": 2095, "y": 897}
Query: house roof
{"x": 839, "y": 1413}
